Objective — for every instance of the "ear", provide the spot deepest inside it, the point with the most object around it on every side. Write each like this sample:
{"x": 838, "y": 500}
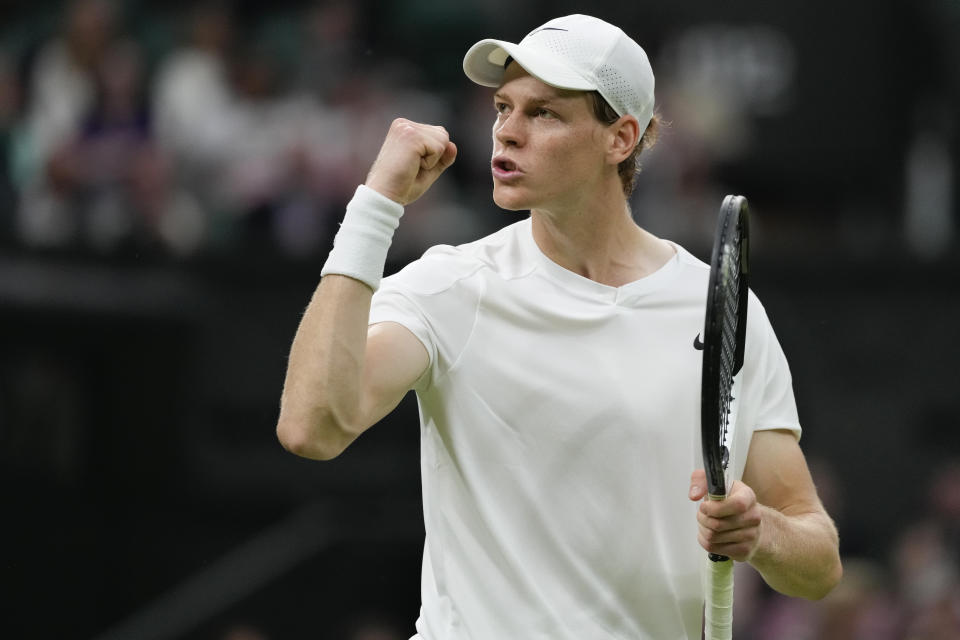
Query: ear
{"x": 624, "y": 137}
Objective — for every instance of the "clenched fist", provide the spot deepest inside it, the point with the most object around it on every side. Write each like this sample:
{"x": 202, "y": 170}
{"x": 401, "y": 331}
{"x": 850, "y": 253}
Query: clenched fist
{"x": 412, "y": 157}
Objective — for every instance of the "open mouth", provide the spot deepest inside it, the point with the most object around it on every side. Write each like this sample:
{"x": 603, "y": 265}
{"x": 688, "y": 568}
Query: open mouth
{"x": 505, "y": 169}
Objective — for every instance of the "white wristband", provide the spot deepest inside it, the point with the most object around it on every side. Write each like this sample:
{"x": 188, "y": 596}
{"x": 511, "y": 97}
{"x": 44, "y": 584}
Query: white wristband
{"x": 360, "y": 246}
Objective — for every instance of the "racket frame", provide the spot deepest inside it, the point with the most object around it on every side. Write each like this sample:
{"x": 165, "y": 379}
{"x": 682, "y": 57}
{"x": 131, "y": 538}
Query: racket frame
{"x": 734, "y": 213}
{"x": 733, "y": 220}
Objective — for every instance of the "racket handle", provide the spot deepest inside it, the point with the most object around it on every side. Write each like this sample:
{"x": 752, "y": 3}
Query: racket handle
{"x": 718, "y": 611}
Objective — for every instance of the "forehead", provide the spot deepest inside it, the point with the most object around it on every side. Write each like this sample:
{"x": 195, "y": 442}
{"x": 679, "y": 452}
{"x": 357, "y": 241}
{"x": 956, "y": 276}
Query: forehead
{"x": 517, "y": 83}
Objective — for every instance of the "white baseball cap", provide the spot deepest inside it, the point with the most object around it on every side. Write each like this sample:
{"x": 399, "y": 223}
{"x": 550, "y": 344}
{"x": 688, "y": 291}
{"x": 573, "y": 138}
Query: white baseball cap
{"x": 574, "y": 52}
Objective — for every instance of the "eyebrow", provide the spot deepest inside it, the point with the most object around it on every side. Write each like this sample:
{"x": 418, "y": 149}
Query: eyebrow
{"x": 538, "y": 102}
{"x": 533, "y": 101}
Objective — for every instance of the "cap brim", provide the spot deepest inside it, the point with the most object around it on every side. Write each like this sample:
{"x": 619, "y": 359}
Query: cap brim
{"x": 484, "y": 65}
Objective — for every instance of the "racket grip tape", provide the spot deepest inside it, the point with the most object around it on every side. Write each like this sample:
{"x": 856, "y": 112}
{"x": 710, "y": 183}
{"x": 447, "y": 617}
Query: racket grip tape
{"x": 718, "y": 611}
{"x": 716, "y": 557}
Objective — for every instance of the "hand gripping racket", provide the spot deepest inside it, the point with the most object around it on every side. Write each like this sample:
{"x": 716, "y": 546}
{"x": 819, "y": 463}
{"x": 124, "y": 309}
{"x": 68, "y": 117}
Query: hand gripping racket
{"x": 724, "y": 335}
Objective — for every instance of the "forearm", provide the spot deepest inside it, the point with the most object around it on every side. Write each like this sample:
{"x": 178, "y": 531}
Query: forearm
{"x": 334, "y": 388}
{"x": 320, "y": 410}
{"x": 320, "y": 406}
{"x": 798, "y": 554}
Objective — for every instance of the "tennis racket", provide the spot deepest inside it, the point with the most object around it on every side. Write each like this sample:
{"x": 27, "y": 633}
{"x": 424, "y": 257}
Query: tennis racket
{"x": 724, "y": 335}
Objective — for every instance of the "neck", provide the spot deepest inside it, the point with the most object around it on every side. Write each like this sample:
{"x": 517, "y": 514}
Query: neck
{"x": 599, "y": 240}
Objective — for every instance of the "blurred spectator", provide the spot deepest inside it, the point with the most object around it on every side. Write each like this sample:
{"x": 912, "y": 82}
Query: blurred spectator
{"x": 863, "y": 607}
{"x": 924, "y": 564}
{"x": 107, "y": 185}
{"x": 285, "y": 170}
{"x": 267, "y": 162}
{"x": 927, "y": 562}
{"x": 192, "y": 97}
{"x": 62, "y": 85}
{"x": 944, "y": 497}
{"x": 331, "y": 48}
{"x": 929, "y": 207}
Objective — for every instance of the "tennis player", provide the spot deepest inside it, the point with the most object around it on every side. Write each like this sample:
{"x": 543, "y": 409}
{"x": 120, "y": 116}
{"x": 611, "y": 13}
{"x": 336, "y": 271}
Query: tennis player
{"x": 556, "y": 373}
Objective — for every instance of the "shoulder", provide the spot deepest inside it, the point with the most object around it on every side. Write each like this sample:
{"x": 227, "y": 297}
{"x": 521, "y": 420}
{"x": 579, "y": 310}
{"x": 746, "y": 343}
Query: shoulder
{"x": 443, "y": 267}
{"x": 693, "y": 272}
{"x": 687, "y": 284}
{"x": 697, "y": 275}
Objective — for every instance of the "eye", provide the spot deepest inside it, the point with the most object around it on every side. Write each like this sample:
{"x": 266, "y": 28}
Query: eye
{"x": 501, "y": 107}
{"x": 544, "y": 113}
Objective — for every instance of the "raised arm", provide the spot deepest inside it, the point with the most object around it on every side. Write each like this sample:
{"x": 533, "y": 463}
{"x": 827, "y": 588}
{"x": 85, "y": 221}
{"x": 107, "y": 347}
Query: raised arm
{"x": 774, "y": 520}
{"x": 343, "y": 377}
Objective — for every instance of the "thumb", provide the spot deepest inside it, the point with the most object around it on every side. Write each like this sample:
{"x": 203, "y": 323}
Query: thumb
{"x": 698, "y": 484}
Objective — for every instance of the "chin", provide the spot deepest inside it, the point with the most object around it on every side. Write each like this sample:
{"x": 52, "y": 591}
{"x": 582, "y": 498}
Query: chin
{"x": 508, "y": 199}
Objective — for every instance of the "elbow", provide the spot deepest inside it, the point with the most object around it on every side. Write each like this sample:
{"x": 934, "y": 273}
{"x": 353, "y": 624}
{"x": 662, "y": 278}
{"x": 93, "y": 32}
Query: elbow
{"x": 830, "y": 580}
{"x": 321, "y": 437}
{"x": 820, "y": 584}
{"x": 295, "y": 441}
{"x": 834, "y": 573}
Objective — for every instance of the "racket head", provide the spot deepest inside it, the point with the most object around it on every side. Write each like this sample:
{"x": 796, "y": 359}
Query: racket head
{"x": 724, "y": 336}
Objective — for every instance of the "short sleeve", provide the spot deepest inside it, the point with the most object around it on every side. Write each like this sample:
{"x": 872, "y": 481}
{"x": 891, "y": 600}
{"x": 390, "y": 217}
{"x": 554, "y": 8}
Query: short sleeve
{"x": 437, "y": 299}
{"x": 391, "y": 305}
{"x": 777, "y": 407}
{"x": 765, "y": 387}
{"x": 774, "y": 404}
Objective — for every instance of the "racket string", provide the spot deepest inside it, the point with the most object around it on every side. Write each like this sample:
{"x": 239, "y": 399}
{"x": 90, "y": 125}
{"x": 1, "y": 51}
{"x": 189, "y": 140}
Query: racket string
{"x": 730, "y": 281}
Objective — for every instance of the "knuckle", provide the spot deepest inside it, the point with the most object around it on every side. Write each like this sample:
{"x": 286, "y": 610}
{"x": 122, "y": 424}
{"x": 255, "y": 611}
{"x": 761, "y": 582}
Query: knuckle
{"x": 404, "y": 129}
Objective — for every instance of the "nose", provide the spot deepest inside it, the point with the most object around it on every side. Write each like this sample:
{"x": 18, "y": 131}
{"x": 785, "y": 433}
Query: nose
{"x": 508, "y": 129}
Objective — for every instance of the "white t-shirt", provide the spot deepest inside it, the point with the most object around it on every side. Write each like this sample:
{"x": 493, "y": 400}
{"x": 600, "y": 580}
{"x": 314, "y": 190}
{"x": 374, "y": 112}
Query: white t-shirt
{"x": 559, "y": 428}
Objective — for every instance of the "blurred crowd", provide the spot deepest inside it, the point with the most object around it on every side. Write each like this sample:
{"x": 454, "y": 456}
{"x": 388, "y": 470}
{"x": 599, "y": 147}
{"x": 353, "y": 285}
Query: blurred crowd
{"x": 199, "y": 129}
{"x": 219, "y": 127}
